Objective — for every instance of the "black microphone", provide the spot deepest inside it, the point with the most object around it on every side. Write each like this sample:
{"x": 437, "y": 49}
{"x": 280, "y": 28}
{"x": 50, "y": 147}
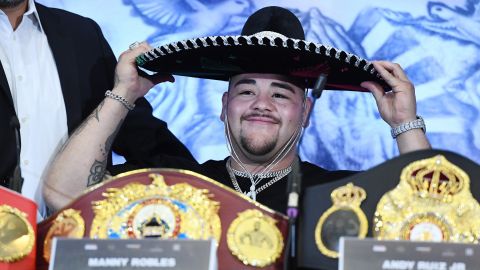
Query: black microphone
{"x": 293, "y": 192}
{"x": 317, "y": 91}
{"x": 319, "y": 86}
{"x": 16, "y": 181}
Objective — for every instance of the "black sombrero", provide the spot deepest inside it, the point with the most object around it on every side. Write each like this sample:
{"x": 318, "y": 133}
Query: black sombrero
{"x": 272, "y": 41}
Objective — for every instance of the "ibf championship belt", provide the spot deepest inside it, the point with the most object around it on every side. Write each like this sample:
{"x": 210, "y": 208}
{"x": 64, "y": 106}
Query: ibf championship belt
{"x": 432, "y": 202}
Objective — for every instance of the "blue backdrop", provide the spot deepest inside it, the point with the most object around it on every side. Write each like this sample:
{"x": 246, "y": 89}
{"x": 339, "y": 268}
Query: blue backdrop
{"x": 437, "y": 43}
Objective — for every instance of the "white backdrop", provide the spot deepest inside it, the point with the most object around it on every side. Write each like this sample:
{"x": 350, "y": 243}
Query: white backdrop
{"x": 437, "y": 43}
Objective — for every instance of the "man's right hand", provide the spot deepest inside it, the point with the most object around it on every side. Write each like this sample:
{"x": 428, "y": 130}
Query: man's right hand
{"x": 128, "y": 83}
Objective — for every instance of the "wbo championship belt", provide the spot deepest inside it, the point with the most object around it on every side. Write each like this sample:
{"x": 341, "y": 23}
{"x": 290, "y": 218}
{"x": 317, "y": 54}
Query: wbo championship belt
{"x": 18, "y": 217}
{"x": 170, "y": 203}
{"x": 432, "y": 202}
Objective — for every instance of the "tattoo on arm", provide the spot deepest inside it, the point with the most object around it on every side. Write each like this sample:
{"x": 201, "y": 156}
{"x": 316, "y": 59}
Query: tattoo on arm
{"x": 79, "y": 129}
{"x": 97, "y": 171}
{"x": 94, "y": 114}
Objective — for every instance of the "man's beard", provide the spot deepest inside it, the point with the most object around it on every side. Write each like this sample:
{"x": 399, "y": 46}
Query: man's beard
{"x": 258, "y": 148}
{"x": 10, "y": 3}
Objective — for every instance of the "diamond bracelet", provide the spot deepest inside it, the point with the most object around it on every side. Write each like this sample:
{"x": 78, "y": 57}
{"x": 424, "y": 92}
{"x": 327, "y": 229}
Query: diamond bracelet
{"x": 121, "y": 99}
{"x": 417, "y": 123}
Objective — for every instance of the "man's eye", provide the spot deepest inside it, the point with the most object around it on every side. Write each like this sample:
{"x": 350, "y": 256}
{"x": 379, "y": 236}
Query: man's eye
{"x": 246, "y": 92}
{"x": 277, "y": 95}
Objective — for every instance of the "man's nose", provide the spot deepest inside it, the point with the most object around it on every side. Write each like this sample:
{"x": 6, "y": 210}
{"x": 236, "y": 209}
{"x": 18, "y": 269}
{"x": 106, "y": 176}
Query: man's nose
{"x": 263, "y": 102}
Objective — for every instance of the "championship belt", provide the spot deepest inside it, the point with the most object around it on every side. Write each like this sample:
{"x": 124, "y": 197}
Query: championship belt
{"x": 18, "y": 217}
{"x": 343, "y": 218}
{"x": 166, "y": 204}
{"x": 69, "y": 224}
{"x": 156, "y": 211}
{"x": 255, "y": 239}
{"x": 432, "y": 202}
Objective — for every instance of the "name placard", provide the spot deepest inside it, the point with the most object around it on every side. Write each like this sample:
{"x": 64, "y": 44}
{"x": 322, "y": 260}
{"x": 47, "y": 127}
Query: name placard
{"x": 134, "y": 254}
{"x": 371, "y": 254}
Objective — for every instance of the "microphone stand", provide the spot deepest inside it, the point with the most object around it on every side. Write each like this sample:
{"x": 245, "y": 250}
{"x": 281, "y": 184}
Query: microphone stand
{"x": 16, "y": 181}
{"x": 294, "y": 189}
{"x": 294, "y": 192}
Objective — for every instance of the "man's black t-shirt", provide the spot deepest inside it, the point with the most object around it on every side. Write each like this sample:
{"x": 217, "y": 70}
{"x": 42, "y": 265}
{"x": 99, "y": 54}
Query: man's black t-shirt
{"x": 274, "y": 197}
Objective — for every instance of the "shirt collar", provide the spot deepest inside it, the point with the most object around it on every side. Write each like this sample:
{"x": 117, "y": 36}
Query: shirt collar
{"x": 32, "y": 9}
{"x": 32, "y": 13}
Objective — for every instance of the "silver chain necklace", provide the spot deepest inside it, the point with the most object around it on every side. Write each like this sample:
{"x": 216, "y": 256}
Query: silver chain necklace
{"x": 253, "y": 190}
{"x": 261, "y": 176}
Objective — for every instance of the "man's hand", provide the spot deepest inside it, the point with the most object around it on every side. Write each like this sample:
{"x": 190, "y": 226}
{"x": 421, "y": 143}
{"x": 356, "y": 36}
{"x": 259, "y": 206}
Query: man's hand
{"x": 399, "y": 105}
{"x": 128, "y": 83}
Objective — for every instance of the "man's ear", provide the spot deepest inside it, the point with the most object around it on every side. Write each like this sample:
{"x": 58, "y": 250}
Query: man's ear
{"x": 307, "y": 111}
{"x": 224, "y": 106}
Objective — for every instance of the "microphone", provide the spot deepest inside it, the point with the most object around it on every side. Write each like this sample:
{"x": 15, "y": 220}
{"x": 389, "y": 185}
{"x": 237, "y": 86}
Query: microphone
{"x": 319, "y": 86}
{"x": 294, "y": 190}
{"x": 317, "y": 91}
{"x": 16, "y": 181}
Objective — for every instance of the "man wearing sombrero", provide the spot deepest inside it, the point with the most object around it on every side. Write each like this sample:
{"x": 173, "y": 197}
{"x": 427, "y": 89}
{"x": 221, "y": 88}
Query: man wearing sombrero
{"x": 264, "y": 110}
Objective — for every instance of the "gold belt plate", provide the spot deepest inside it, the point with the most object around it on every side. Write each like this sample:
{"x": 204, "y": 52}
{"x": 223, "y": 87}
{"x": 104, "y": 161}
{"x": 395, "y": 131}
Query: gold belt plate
{"x": 432, "y": 202}
{"x": 16, "y": 234}
{"x": 69, "y": 224}
{"x": 156, "y": 210}
{"x": 254, "y": 238}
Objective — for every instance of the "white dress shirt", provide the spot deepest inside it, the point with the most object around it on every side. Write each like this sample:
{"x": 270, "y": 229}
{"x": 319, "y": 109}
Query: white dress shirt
{"x": 37, "y": 96}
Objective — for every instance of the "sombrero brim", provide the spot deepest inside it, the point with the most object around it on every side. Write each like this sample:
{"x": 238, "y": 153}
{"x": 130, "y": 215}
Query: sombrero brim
{"x": 220, "y": 57}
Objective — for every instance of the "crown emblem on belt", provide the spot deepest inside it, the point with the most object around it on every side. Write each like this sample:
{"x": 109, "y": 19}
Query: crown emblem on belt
{"x": 348, "y": 195}
{"x": 435, "y": 178}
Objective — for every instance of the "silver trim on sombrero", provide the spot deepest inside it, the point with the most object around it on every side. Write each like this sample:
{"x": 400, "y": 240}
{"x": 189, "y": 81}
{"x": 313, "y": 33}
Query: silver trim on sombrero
{"x": 235, "y": 40}
{"x": 337, "y": 55}
{"x": 168, "y": 48}
{"x": 258, "y": 39}
{"x": 184, "y": 44}
{"x": 204, "y": 41}
{"x": 307, "y": 48}
{"x": 176, "y": 47}
{"x": 225, "y": 40}
{"x": 249, "y": 40}
{"x": 269, "y": 34}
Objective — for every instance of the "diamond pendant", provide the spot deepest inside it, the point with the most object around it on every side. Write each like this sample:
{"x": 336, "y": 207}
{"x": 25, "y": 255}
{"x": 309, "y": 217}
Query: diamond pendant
{"x": 252, "y": 194}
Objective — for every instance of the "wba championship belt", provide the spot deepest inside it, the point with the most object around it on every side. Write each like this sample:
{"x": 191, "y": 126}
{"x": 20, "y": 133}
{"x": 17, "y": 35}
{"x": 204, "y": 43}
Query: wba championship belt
{"x": 432, "y": 202}
{"x": 18, "y": 217}
{"x": 170, "y": 203}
